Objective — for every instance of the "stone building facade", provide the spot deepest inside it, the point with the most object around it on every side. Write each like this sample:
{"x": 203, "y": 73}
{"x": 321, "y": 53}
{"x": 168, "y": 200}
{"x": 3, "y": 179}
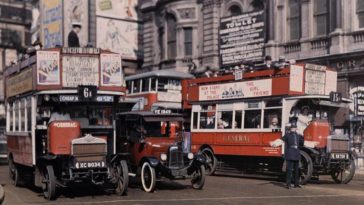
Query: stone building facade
{"x": 328, "y": 32}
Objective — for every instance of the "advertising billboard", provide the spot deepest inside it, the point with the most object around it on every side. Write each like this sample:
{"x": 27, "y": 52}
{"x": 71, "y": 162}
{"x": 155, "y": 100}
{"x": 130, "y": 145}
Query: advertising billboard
{"x": 119, "y": 36}
{"x": 51, "y": 24}
{"x": 117, "y": 9}
{"x": 76, "y": 11}
{"x": 242, "y": 38}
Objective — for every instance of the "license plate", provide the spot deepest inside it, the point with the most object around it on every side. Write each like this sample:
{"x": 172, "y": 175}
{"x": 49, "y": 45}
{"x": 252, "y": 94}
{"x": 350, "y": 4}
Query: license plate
{"x": 85, "y": 165}
{"x": 339, "y": 156}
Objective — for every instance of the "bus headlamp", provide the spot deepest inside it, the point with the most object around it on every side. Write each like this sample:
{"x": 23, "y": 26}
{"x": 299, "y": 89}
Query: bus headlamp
{"x": 190, "y": 155}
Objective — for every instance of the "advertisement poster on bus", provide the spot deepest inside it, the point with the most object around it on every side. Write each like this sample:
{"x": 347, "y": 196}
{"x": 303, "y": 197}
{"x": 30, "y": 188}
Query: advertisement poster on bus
{"x": 117, "y": 9}
{"x": 48, "y": 71}
{"x": 242, "y": 38}
{"x": 76, "y": 11}
{"x": 80, "y": 70}
{"x": 51, "y": 24}
{"x": 111, "y": 70}
{"x": 119, "y": 37}
{"x": 247, "y": 89}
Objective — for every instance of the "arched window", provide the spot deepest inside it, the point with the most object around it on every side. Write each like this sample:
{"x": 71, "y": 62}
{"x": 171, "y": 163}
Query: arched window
{"x": 171, "y": 36}
{"x": 294, "y": 19}
{"x": 235, "y": 10}
{"x": 360, "y": 12}
{"x": 257, "y": 4}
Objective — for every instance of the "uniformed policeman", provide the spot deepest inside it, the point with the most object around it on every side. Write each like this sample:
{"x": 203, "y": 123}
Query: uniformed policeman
{"x": 293, "y": 143}
{"x": 73, "y": 40}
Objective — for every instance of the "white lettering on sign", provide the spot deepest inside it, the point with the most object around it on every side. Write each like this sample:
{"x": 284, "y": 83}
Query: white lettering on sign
{"x": 65, "y": 124}
{"x": 247, "y": 89}
{"x": 80, "y": 70}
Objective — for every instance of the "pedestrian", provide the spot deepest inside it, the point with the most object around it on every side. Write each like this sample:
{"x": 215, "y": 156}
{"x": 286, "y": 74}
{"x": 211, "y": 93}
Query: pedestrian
{"x": 73, "y": 40}
{"x": 293, "y": 142}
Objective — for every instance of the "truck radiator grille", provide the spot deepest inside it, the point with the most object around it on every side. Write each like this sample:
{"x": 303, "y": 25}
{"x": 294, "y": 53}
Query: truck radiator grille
{"x": 175, "y": 157}
{"x": 89, "y": 149}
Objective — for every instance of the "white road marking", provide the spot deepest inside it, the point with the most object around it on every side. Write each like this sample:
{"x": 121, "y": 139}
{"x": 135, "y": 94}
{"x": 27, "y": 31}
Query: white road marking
{"x": 211, "y": 199}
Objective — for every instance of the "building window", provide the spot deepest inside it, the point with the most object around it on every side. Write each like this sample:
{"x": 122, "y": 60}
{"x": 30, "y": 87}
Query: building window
{"x": 321, "y": 17}
{"x": 161, "y": 42}
{"x": 294, "y": 19}
{"x": 360, "y": 12}
{"x": 171, "y": 36}
{"x": 188, "y": 41}
{"x": 235, "y": 10}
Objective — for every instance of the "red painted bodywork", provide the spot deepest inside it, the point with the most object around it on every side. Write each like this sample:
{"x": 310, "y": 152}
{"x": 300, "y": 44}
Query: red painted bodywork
{"x": 153, "y": 147}
{"x": 20, "y": 147}
{"x": 150, "y": 98}
{"x": 318, "y": 131}
{"x": 60, "y": 135}
{"x": 237, "y": 143}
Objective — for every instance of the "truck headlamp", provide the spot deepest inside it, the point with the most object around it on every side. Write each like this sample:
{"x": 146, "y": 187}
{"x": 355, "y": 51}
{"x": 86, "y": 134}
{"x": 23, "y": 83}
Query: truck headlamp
{"x": 163, "y": 157}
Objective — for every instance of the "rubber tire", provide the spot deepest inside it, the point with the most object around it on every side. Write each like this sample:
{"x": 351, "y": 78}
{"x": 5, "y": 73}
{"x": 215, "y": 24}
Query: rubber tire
{"x": 48, "y": 174}
{"x": 201, "y": 181}
{"x": 121, "y": 187}
{"x": 308, "y": 159}
{"x": 15, "y": 174}
{"x": 209, "y": 154}
{"x": 147, "y": 167}
{"x": 2, "y": 194}
{"x": 348, "y": 178}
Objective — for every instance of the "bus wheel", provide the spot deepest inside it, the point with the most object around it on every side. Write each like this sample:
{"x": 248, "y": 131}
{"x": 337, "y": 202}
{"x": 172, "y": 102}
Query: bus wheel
{"x": 148, "y": 177}
{"x": 306, "y": 168}
{"x": 122, "y": 177}
{"x": 211, "y": 161}
{"x": 49, "y": 183}
{"x": 344, "y": 175}
{"x": 14, "y": 173}
{"x": 198, "y": 178}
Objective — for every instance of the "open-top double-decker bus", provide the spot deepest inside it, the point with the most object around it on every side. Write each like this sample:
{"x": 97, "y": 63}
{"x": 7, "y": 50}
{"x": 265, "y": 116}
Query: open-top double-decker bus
{"x": 157, "y": 90}
{"x": 60, "y": 106}
{"x": 237, "y": 120}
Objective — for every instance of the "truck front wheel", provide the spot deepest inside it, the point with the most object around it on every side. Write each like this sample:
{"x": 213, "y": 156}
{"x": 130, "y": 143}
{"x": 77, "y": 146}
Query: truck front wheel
{"x": 148, "y": 177}
{"x": 198, "y": 177}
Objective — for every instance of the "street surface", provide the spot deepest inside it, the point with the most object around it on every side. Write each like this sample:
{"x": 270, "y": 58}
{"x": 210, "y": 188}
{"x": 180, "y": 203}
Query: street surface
{"x": 218, "y": 190}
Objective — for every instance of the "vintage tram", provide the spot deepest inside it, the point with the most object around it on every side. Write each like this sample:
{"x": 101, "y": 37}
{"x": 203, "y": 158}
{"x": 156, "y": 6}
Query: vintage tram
{"x": 159, "y": 148}
{"x": 238, "y": 118}
{"x": 60, "y": 128}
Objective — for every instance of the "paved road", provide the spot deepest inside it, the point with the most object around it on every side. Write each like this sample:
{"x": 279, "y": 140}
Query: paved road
{"x": 218, "y": 190}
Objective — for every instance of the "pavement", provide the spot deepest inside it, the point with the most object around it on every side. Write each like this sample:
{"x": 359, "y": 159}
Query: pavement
{"x": 219, "y": 189}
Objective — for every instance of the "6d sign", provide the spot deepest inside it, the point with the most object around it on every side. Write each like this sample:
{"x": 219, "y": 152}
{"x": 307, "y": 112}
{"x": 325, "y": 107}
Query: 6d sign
{"x": 87, "y": 93}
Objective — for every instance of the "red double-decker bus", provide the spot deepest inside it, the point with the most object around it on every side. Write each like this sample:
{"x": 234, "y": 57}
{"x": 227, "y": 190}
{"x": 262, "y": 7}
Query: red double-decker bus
{"x": 60, "y": 107}
{"x": 157, "y": 90}
{"x": 238, "y": 119}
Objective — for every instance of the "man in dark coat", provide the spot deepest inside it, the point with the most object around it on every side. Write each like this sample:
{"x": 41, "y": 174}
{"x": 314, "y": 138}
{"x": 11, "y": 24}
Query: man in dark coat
{"x": 73, "y": 40}
{"x": 293, "y": 143}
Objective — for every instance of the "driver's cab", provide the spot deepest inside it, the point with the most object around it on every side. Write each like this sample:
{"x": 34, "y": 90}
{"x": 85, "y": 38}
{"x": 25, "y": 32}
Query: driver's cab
{"x": 145, "y": 133}
{"x": 316, "y": 117}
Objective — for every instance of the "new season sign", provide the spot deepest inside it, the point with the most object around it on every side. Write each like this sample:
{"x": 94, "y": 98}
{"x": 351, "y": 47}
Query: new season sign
{"x": 247, "y": 89}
